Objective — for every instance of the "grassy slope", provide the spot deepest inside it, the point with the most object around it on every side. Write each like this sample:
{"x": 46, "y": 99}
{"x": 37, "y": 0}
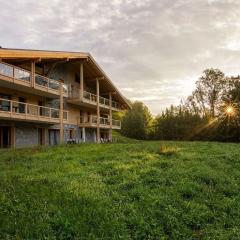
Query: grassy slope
{"x": 121, "y": 191}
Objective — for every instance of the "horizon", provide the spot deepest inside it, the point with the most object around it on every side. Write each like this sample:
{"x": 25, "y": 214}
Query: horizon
{"x": 179, "y": 40}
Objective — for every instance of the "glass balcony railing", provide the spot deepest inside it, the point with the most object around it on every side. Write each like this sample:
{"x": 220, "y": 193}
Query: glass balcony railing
{"x": 25, "y": 76}
{"x": 16, "y": 109}
{"x": 6, "y": 70}
{"x": 92, "y": 120}
{"x": 14, "y": 72}
{"x": 21, "y": 74}
{"x": 47, "y": 82}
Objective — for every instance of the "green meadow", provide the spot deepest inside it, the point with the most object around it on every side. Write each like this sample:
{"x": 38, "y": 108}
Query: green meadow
{"x": 124, "y": 190}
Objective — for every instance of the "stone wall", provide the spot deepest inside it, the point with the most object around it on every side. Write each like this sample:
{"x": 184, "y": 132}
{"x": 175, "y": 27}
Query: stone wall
{"x": 90, "y": 134}
{"x": 67, "y": 127}
{"x": 26, "y": 136}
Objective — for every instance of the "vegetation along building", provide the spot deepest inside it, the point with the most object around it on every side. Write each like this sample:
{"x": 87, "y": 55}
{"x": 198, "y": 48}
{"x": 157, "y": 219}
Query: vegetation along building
{"x": 51, "y": 97}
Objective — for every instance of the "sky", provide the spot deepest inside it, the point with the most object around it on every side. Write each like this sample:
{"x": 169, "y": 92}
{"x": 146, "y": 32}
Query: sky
{"x": 153, "y": 50}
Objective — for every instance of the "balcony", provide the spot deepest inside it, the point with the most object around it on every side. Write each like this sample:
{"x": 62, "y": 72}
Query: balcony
{"x": 29, "y": 112}
{"x": 91, "y": 99}
{"x": 91, "y": 121}
{"x": 22, "y": 78}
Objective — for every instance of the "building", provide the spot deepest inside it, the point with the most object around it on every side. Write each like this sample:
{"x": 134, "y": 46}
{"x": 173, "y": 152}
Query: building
{"x": 51, "y": 97}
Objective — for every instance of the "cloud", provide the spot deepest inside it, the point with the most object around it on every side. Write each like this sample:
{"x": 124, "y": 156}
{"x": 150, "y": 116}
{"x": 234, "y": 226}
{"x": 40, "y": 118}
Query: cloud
{"x": 153, "y": 50}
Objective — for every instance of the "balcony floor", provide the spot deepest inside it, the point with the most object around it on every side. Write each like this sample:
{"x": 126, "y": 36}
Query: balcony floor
{"x": 27, "y": 118}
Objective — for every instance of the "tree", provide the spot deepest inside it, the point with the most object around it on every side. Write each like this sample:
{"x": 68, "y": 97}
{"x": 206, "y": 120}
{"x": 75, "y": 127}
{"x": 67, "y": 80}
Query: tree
{"x": 137, "y": 121}
{"x": 208, "y": 90}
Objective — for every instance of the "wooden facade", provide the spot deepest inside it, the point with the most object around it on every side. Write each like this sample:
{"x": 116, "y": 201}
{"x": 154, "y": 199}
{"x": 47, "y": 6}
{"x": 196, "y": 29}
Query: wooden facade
{"x": 55, "y": 97}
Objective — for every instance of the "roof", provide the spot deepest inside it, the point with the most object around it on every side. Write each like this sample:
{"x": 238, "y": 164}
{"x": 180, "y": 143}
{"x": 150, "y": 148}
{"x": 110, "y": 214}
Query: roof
{"x": 47, "y": 55}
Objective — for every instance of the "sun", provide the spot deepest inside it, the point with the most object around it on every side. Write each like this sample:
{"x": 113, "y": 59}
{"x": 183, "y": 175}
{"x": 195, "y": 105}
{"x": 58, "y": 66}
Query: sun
{"x": 230, "y": 111}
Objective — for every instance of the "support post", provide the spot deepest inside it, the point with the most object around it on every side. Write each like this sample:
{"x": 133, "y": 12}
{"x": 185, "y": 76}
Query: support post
{"x": 61, "y": 115}
{"x": 83, "y": 134}
{"x": 33, "y": 74}
{"x": 98, "y": 112}
{"x": 110, "y": 116}
{"x": 81, "y": 81}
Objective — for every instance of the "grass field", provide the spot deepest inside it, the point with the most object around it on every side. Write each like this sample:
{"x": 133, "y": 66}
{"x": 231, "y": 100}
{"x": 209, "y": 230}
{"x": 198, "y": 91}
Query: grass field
{"x": 126, "y": 190}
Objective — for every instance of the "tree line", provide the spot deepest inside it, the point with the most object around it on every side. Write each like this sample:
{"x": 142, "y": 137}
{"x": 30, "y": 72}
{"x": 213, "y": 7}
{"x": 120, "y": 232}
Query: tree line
{"x": 211, "y": 112}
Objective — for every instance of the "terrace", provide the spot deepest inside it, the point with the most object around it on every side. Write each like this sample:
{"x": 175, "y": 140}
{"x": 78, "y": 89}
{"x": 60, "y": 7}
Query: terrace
{"x": 91, "y": 121}
{"x": 23, "y": 78}
{"x": 91, "y": 99}
{"x": 15, "y": 110}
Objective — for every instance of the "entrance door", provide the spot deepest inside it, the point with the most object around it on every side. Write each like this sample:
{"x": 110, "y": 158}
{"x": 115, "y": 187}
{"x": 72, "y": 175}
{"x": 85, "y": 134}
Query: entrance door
{"x": 5, "y": 137}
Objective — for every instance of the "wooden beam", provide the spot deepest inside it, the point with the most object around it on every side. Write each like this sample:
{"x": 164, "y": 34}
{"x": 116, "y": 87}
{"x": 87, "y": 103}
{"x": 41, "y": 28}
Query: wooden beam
{"x": 61, "y": 115}
{"x": 110, "y": 116}
{"x": 100, "y": 78}
{"x": 33, "y": 74}
{"x": 81, "y": 81}
{"x": 98, "y": 112}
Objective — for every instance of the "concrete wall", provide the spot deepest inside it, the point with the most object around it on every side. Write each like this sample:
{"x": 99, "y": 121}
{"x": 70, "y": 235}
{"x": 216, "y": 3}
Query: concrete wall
{"x": 26, "y": 136}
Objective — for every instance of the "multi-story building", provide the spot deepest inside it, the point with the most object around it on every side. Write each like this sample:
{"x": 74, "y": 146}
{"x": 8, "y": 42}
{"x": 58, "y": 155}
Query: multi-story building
{"x": 51, "y": 97}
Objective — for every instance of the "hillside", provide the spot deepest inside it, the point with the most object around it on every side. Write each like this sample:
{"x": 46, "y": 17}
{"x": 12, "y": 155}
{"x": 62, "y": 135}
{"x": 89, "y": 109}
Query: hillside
{"x": 128, "y": 190}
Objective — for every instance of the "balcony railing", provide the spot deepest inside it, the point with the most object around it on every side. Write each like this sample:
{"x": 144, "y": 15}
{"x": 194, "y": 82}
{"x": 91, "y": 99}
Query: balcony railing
{"x": 26, "y": 111}
{"x": 116, "y": 123}
{"x": 91, "y": 98}
{"x": 92, "y": 121}
{"x": 25, "y": 76}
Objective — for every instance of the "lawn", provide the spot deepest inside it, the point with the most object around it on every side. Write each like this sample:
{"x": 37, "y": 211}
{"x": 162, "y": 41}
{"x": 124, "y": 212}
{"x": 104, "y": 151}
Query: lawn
{"x": 126, "y": 190}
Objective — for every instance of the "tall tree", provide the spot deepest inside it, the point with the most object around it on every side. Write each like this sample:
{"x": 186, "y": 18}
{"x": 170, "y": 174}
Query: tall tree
{"x": 209, "y": 89}
{"x": 137, "y": 121}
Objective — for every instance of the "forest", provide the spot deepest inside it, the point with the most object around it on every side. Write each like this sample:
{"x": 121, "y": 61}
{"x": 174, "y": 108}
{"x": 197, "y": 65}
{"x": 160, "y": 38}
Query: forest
{"x": 211, "y": 112}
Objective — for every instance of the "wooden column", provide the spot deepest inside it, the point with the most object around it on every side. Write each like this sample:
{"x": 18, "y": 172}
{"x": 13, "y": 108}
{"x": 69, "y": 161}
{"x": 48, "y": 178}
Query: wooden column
{"x": 98, "y": 111}
{"x": 33, "y": 74}
{"x": 81, "y": 81}
{"x": 61, "y": 115}
{"x": 13, "y": 136}
{"x": 110, "y": 116}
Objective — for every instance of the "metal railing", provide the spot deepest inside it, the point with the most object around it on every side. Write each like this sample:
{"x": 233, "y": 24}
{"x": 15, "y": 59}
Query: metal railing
{"x": 18, "y": 73}
{"x": 30, "y": 110}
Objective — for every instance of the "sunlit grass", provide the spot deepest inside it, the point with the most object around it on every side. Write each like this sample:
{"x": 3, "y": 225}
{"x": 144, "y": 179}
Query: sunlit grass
{"x": 168, "y": 150}
{"x": 128, "y": 190}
